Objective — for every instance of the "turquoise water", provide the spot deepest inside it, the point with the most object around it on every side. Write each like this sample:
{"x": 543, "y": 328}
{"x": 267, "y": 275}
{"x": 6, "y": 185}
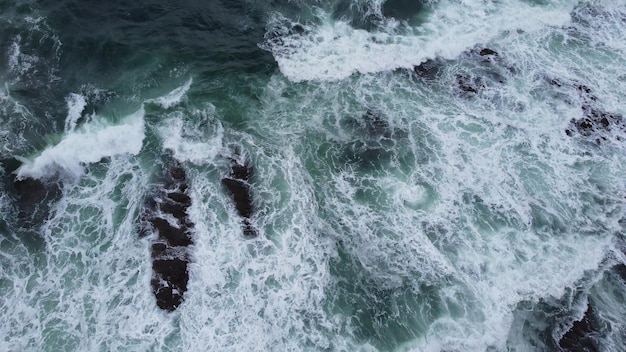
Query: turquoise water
{"x": 467, "y": 210}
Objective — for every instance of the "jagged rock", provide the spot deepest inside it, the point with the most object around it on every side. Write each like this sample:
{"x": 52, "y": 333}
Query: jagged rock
{"x": 620, "y": 270}
{"x": 171, "y": 282}
{"x": 240, "y": 192}
{"x": 467, "y": 85}
{"x": 239, "y": 188}
{"x": 30, "y": 191}
{"x": 179, "y": 197}
{"x": 33, "y": 199}
{"x": 487, "y": 52}
{"x": 594, "y": 122}
{"x": 175, "y": 236}
{"x": 165, "y": 216}
{"x": 578, "y": 337}
{"x": 427, "y": 70}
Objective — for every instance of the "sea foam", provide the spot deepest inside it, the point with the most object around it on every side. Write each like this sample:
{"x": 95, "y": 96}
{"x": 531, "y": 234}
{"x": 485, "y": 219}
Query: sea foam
{"x": 90, "y": 144}
{"x": 333, "y": 50}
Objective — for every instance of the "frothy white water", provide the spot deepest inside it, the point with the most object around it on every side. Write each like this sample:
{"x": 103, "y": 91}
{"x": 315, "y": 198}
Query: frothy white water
{"x": 424, "y": 230}
{"x": 194, "y": 136}
{"x": 266, "y": 293}
{"x": 76, "y": 103}
{"x": 494, "y": 195}
{"x": 334, "y": 50}
{"x": 172, "y": 98}
{"x": 91, "y": 282}
{"x": 91, "y": 143}
{"x": 20, "y": 63}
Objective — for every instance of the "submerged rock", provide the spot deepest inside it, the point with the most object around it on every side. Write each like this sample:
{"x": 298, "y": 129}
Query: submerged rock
{"x": 238, "y": 185}
{"x": 620, "y": 270}
{"x": 30, "y": 191}
{"x": 594, "y": 121}
{"x": 375, "y": 125}
{"x": 485, "y": 69}
{"x": 468, "y": 85}
{"x": 166, "y": 217}
{"x": 33, "y": 196}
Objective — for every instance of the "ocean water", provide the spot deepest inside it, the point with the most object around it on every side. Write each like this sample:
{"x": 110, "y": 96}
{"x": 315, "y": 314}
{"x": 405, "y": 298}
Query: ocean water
{"x": 476, "y": 203}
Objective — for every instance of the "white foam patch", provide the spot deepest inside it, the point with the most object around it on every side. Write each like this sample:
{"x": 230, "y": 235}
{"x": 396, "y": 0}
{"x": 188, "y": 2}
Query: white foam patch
{"x": 513, "y": 219}
{"x": 76, "y": 103}
{"x": 195, "y": 142}
{"x": 20, "y": 63}
{"x": 174, "y": 97}
{"x": 334, "y": 50}
{"x": 90, "y": 144}
{"x": 14, "y": 55}
{"x": 93, "y": 276}
{"x": 257, "y": 294}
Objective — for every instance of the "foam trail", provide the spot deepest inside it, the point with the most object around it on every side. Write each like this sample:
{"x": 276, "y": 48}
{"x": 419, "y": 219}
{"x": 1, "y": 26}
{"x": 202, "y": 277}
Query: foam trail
{"x": 90, "y": 144}
{"x": 172, "y": 98}
{"x": 334, "y": 50}
{"x": 76, "y": 103}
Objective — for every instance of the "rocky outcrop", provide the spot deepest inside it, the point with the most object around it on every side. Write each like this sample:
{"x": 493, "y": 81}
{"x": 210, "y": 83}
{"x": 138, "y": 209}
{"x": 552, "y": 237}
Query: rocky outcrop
{"x": 238, "y": 185}
{"x": 580, "y": 336}
{"x": 487, "y": 68}
{"x": 33, "y": 197}
{"x": 427, "y": 70}
{"x": 594, "y": 121}
{"x": 487, "y": 52}
{"x": 165, "y": 218}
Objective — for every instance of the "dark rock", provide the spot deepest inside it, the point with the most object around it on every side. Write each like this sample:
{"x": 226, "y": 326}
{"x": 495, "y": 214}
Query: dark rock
{"x": 585, "y": 93}
{"x": 177, "y": 210}
{"x": 180, "y": 198}
{"x": 240, "y": 192}
{"x": 169, "y": 282}
{"x": 175, "y": 236}
{"x": 580, "y": 336}
{"x": 239, "y": 188}
{"x": 248, "y": 229}
{"x": 427, "y": 70}
{"x": 34, "y": 198}
{"x": 468, "y": 88}
{"x": 241, "y": 172}
{"x": 30, "y": 191}
{"x": 555, "y": 82}
{"x": 594, "y": 122}
{"x": 177, "y": 172}
{"x": 487, "y": 52}
{"x": 468, "y": 85}
{"x": 170, "y": 249}
{"x": 620, "y": 270}
{"x": 158, "y": 249}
